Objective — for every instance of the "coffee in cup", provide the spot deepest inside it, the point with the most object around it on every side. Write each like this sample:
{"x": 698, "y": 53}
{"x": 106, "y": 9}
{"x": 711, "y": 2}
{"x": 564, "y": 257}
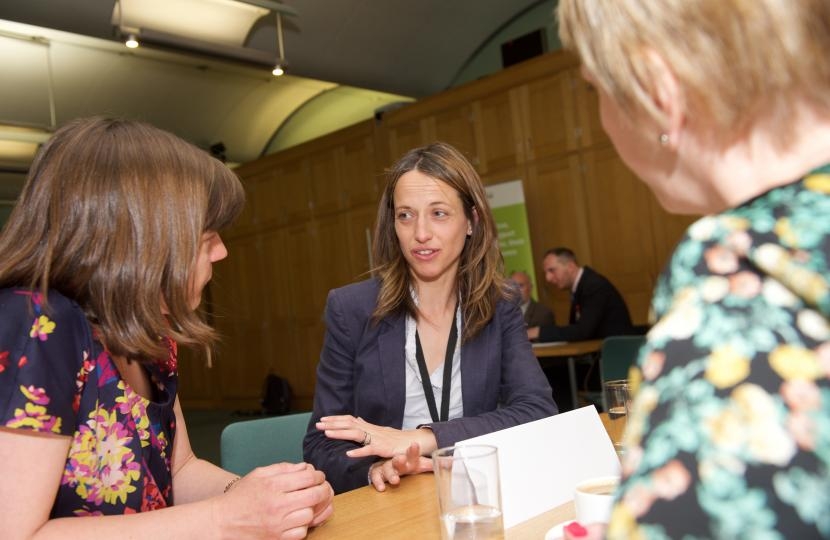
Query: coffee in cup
{"x": 594, "y": 497}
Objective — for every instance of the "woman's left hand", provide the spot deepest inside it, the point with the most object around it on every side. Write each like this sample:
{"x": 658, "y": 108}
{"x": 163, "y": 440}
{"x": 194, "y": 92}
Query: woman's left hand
{"x": 389, "y": 471}
{"x": 376, "y": 440}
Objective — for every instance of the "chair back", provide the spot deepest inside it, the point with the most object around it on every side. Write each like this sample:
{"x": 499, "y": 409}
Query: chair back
{"x": 617, "y": 355}
{"x": 250, "y": 444}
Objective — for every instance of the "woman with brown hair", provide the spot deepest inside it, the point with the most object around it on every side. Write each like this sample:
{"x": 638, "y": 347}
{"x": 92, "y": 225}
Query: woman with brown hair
{"x": 722, "y": 107}
{"x": 102, "y": 266}
{"x": 432, "y": 350}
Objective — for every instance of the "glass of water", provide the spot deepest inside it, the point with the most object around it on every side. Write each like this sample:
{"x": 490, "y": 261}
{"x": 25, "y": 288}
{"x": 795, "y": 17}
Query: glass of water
{"x": 617, "y": 397}
{"x": 469, "y": 492}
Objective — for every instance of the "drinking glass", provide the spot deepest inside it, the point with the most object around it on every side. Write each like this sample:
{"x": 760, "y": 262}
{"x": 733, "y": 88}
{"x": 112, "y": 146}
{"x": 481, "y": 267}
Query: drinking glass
{"x": 617, "y": 403}
{"x": 469, "y": 494}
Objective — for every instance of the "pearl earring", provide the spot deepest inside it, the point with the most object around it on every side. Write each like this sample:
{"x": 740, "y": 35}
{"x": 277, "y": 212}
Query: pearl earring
{"x": 664, "y": 139}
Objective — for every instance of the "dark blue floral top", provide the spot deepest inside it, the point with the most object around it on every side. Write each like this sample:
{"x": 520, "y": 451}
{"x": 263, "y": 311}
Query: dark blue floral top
{"x": 56, "y": 376}
{"x": 730, "y": 431}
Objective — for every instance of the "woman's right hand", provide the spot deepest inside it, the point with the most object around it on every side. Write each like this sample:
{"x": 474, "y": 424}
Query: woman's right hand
{"x": 390, "y": 470}
{"x": 278, "y": 501}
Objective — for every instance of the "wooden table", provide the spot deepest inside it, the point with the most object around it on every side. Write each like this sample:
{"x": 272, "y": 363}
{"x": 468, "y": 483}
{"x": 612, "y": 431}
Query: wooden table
{"x": 410, "y": 510}
{"x": 568, "y": 350}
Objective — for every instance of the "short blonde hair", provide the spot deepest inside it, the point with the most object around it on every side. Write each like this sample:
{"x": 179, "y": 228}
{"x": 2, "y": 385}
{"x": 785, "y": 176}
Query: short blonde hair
{"x": 733, "y": 57}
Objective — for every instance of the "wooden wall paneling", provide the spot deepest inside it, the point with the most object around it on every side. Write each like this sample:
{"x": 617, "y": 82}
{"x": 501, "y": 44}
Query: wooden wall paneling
{"x": 499, "y": 133}
{"x": 557, "y": 216}
{"x": 668, "y": 230}
{"x": 240, "y": 316}
{"x": 359, "y": 172}
{"x": 291, "y": 191}
{"x": 361, "y": 230}
{"x": 267, "y": 206}
{"x": 620, "y": 228}
{"x": 587, "y": 105}
{"x": 300, "y": 356}
{"x": 549, "y": 116}
{"x": 325, "y": 182}
{"x": 404, "y": 137}
{"x": 455, "y": 126}
{"x": 279, "y": 326}
{"x": 247, "y": 219}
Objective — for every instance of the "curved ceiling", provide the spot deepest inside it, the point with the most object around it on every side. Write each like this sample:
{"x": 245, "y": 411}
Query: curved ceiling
{"x": 61, "y": 62}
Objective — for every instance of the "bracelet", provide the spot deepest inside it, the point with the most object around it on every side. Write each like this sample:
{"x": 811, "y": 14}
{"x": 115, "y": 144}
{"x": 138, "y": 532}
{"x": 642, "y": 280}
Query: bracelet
{"x": 231, "y": 483}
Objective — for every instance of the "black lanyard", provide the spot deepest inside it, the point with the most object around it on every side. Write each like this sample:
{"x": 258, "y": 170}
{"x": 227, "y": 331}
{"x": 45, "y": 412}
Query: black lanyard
{"x": 425, "y": 381}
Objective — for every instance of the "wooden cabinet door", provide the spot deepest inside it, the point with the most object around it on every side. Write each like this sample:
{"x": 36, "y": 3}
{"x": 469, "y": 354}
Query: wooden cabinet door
{"x": 620, "y": 228}
{"x": 359, "y": 176}
{"x": 587, "y": 106}
{"x": 668, "y": 230}
{"x": 326, "y": 189}
{"x": 302, "y": 296}
{"x": 556, "y": 212}
{"x": 498, "y": 132}
{"x": 240, "y": 316}
{"x": 455, "y": 127}
{"x": 360, "y": 227}
{"x": 404, "y": 137}
{"x": 549, "y": 116}
{"x": 285, "y": 196}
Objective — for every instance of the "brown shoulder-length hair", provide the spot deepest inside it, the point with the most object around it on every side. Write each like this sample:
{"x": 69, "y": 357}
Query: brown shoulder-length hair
{"x": 111, "y": 216}
{"x": 480, "y": 282}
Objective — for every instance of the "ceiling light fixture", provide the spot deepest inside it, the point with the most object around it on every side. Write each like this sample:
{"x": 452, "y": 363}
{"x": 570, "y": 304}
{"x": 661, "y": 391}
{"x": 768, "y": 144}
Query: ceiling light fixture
{"x": 281, "y": 65}
{"x": 131, "y": 42}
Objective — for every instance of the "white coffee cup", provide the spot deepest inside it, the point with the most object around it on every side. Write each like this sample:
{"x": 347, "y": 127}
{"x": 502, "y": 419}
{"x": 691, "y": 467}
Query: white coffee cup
{"x": 594, "y": 497}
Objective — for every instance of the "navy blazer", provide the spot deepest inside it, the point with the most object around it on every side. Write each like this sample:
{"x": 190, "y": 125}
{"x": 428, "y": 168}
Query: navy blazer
{"x": 361, "y": 372}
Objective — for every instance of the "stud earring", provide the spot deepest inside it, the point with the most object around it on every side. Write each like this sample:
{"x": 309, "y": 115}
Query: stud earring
{"x": 664, "y": 139}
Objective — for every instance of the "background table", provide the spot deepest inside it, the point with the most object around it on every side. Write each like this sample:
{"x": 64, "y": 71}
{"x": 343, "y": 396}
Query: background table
{"x": 567, "y": 350}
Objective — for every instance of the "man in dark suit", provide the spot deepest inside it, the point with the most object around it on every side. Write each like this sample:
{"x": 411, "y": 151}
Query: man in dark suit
{"x": 597, "y": 308}
{"x": 535, "y": 314}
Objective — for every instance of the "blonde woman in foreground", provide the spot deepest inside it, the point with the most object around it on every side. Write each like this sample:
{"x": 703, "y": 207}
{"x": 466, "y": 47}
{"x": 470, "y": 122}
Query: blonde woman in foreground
{"x": 722, "y": 107}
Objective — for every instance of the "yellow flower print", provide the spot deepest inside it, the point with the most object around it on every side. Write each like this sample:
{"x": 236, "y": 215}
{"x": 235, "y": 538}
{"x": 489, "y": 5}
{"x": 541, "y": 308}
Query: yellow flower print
{"x": 726, "y": 367}
{"x": 813, "y": 324}
{"x": 623, "y": 524}
{"x": 818, "y": 182}
{"x": 767, "y": 441}
{"x": 784, "y": 230}
{"x": 35, "y": 417}
{"x": 41, "y": 328}
{"x": 793, "y": 362}
{"x": 101, "y": 466}
{"x": 776, "y": 261}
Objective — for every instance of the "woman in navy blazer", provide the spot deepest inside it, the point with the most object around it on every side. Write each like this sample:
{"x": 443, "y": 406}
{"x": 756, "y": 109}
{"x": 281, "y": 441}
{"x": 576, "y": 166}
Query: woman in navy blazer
{"x": 438, "y": 310}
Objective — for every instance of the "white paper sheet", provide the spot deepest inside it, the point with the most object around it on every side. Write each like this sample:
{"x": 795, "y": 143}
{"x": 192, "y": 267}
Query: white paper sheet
{"x": 541, "y": 462}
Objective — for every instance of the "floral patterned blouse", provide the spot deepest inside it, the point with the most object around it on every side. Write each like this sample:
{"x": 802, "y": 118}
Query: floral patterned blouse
{"x": 56, "y": 376}
{"x": 730, "y": 431}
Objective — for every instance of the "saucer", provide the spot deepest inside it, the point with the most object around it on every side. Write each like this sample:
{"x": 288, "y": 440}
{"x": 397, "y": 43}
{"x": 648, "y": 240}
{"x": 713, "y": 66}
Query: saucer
{"x": 557, "y": 531}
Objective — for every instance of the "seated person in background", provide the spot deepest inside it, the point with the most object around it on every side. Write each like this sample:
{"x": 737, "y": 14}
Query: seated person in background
{"x": 107, "y": 250}
{"x": 431, "y": 351}
{"x": 597, "y": 308}
{"x": 722, "y": 108}
{"x": 535, "y": 314}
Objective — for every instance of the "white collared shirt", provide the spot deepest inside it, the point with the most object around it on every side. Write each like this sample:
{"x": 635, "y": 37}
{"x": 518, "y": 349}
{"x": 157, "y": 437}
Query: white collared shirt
{"x": 576, "y": 281}
{"x": 416, "y": 410}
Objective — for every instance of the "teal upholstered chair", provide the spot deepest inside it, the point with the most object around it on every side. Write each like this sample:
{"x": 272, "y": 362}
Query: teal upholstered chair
{"x": 617, "y": 354}
{"x": 254, "y": 443}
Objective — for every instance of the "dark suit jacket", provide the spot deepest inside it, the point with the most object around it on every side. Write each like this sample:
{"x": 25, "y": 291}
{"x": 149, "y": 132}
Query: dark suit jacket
{"x": 361, "y": 372}
{"x": 597, "y": 311}
{"x": 538, "y": 314}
